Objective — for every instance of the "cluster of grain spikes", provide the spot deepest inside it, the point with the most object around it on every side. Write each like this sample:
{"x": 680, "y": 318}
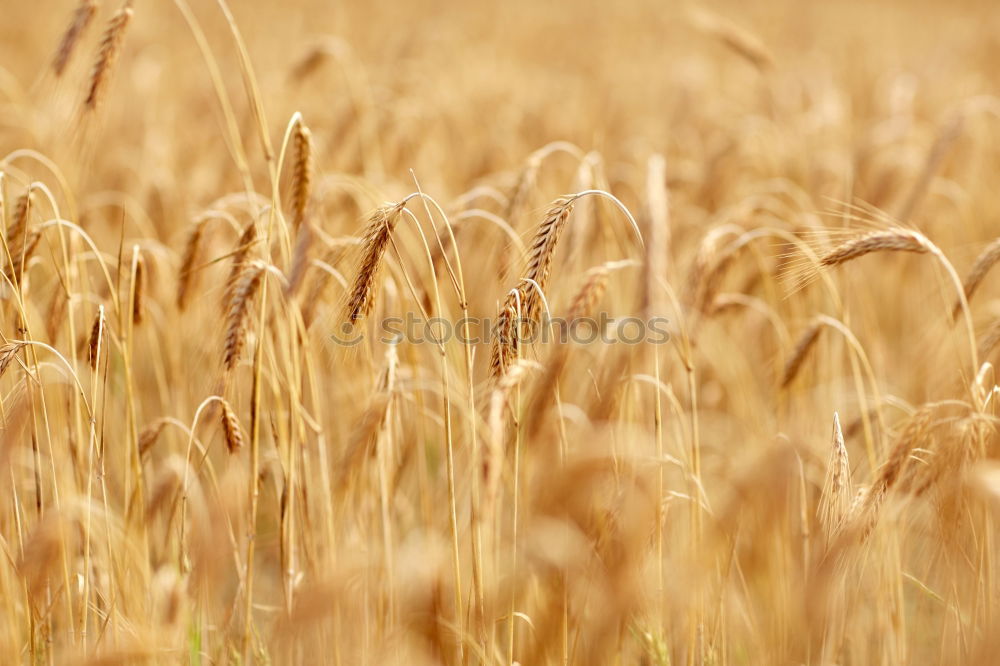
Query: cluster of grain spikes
{"x": 523, "y": 304}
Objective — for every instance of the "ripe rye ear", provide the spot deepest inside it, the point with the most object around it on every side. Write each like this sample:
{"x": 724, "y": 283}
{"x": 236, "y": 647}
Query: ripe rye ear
{"x": 8, "y": 353}
{"x": 139, "y": 297}
{"x": 107, "y": 56}
{"x": 541, "y": 252}
{"x": 837, "y": 493}
{"x": 890, "y": 240}
{"x": 82, "y": 18}
{"x": 243, "y": 245}
{"x": 376, "y": 239}
{"x": 302, "y": 173}
{"x": 231, "y": 429}
{"x": 96, "y": 335}
{"x": 238, "y": 314}
{"x": 185, "y": 278}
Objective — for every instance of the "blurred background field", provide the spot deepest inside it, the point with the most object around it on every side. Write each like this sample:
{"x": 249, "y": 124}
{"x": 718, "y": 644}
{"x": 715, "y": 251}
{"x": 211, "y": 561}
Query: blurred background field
{"x": 591, "y": 504}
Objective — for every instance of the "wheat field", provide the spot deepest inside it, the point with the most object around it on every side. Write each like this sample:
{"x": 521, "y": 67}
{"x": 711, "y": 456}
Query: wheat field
{"x": 499, "y": 332}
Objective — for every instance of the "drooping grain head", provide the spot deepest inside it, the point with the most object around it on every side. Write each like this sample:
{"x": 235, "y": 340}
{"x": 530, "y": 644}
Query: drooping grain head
{"x": 107, "y": 56}
{"x": 96, "y": 337}
{"x": 82, "y": 18}
{"x": 506, "y": 336}
{"x": 21, "y": 251}
{"x": 149, "y": 435}
{"x": 891, "y": 240}
{"x": 243, "y": 246}
{"x": 590, "y": 293}
{"x": 8, "y": 353}
{"x": 231, "y": 429}
{"x": 377, "y": 236}
{"x": 237, "y": 317}
{"x": 186, "y": 276}
{"x": 541, "y": 252}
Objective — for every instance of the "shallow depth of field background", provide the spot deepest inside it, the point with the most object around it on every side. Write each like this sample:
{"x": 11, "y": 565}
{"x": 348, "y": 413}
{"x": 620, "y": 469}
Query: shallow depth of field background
{"x": 653, "y": 504}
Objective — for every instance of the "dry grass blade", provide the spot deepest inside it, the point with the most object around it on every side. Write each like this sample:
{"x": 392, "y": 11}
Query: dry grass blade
{"x": 107, "y": 55}
{"x": 82, "y": 18}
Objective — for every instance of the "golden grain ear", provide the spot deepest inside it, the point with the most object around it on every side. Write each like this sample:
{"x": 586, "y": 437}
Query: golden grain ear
{"x": 94, "y": 344}
{"x": 237, "y": 317}
{"x": 186, "y": 275}
{"x": 302, "y": 173}
{"x": 107, "y": 56}
{"x": 82, "y": 18}
{"x": 377, "y": 236}
{"x": 231, "y": 429}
